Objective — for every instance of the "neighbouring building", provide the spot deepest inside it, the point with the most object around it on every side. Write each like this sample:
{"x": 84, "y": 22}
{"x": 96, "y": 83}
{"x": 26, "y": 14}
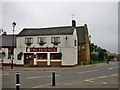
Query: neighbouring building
{"x": 83, "y": 45}
{"x": 8, "y": 42}
{"x": 52, "y": 46}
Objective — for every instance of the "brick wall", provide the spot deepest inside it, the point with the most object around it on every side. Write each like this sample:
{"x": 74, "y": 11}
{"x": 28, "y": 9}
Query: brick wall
{"x": 55, "y": 64}
{"x": 42, "y": 63}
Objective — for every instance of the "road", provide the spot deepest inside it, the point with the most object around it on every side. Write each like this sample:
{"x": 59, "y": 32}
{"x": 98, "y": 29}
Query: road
{"x": 100, "y": 76}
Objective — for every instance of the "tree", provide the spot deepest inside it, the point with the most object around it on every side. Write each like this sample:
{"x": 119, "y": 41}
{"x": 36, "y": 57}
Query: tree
{"x": 102, "y": 54}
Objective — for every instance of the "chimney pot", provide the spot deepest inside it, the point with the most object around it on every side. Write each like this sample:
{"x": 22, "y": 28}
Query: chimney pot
{"x": 73, "y": 23}
{"x": 4, "y": 33}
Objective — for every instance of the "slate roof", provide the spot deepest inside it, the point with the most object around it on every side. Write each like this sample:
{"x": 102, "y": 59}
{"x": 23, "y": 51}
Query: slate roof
{"x": 67, "y": 30}
{"x": 6, "y": 41}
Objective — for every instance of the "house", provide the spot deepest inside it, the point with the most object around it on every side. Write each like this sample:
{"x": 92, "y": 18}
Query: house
{"x": 54, "y": 46}
{"x": 6, "y": 48}
{"x": 83, "y": 45}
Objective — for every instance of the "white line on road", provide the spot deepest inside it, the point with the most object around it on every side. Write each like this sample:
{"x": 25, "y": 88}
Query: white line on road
{"x": 4, "y": 73}
{"x": 88, "y": 71}
{"x": 103, "y": 77}
{"x": 40, "y": 77}
{"x": 38, "y": 86}
{"x": 114, "y": 75}
{"x": 90, "y": 80}
{"x": 104, "y": 83}
{"x": 110, "y": 68}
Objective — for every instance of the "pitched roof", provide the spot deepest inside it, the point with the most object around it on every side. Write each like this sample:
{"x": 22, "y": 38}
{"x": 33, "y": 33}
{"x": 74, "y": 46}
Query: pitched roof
{"x": 67, "y": 30}
{"x": 7, "y": 40}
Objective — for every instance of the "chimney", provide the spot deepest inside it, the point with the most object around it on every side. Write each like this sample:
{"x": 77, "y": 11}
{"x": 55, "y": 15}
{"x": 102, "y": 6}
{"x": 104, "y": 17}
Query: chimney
{"x": 4, "y": 33}
{"x": 85, "y": 25}
{"x": 73, "y": 23}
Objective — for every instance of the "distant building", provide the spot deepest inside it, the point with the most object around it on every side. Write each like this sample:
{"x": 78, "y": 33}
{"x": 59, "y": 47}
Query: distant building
{"x": 54, "y": 46}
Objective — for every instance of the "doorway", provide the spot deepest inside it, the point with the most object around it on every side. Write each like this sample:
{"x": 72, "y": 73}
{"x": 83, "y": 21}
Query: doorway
{"x": 28, "y": 59}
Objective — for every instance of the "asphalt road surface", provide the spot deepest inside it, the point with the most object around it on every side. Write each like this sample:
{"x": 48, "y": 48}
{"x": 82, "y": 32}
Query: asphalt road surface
{"x": 100, "y": 76}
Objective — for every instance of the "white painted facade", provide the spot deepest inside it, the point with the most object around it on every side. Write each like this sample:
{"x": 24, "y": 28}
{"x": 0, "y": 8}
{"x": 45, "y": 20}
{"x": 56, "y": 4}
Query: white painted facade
{"x": 66, "y": 47}
{"x": 4, "y": 57}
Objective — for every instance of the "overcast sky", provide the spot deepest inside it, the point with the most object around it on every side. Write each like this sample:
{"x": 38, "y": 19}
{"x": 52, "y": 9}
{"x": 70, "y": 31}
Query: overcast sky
{"x": 101, "y": 18}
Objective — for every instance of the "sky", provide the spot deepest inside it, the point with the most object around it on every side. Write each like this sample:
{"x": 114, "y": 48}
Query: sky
{"x": 100, "y": 17}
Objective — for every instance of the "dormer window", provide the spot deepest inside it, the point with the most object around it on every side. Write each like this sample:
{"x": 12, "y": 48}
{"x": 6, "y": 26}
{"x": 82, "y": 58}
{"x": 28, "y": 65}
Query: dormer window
{"x": 41, "y": 40}
{"x": 55, "y": 40}
{"x": 28, "y": 41}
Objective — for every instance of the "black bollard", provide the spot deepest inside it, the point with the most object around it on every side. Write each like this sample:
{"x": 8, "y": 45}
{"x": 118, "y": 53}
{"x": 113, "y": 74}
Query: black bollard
{"x": 53, "y": 79}
{"x": 17, "y": 81}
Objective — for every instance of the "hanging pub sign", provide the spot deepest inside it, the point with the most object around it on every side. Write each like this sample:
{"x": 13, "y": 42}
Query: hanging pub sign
{"x": 42, "y": 49}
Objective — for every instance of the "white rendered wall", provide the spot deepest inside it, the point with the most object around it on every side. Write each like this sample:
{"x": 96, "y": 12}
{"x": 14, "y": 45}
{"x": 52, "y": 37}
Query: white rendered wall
{"x": 66, "y": 47}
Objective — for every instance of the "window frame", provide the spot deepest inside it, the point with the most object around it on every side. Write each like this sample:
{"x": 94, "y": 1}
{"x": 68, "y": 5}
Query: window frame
{"x": 39, "y": 39}
{"x": 29, "y": 39}
{"x": 55, "y": 39}
{"x": 10, "y": 52}
{"x": 38, "y": 54}
{"x": 75, "y": 42}
{"x": 55, "y": 54}
{"x": 83, "y": 36}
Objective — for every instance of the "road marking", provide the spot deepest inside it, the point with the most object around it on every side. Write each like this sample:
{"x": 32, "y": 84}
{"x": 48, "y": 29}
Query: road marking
{"x": 90, "y": 80}
{"x": 102, "y": 77}
{"x": 41, "y": 86}
{"x": 37, "y": 87}
{"x": 7, "y": 73}
{"x": 37, "y": 77}
{"x": 40, "y": 77}
{"x": 114, "y": 75}
{"x": 104, "y": 83}
{"x": 110, "y": 68}
{"x": 4, "y": 73}
{"x": 88, "y": 71}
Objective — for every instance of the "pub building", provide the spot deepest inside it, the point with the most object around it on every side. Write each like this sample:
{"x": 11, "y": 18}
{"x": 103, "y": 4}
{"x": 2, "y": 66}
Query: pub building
{"x": 53, "y": 46}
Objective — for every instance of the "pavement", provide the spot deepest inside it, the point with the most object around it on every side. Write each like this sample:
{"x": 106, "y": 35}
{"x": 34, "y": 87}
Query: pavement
{"x": 28, "y": 68}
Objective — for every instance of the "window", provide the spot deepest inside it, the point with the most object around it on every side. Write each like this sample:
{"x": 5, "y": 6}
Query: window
{"x": 10, "y": 52}
{"x": 83, "y": 36}
{"x": 55, "y": 40}
{"x": 55, "y": 55}
{"x": 28, "y": 41}
{"x": 41, "y": 40}
{"x": 19, "y": 56}
{"x": 75, "y": 42}
{"x": 83, "y": 46}
{"x": 41, "y": 55}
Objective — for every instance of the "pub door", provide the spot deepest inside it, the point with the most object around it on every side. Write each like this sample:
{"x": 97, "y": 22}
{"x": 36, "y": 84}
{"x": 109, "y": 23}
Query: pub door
{"x": 29, "y": 59}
